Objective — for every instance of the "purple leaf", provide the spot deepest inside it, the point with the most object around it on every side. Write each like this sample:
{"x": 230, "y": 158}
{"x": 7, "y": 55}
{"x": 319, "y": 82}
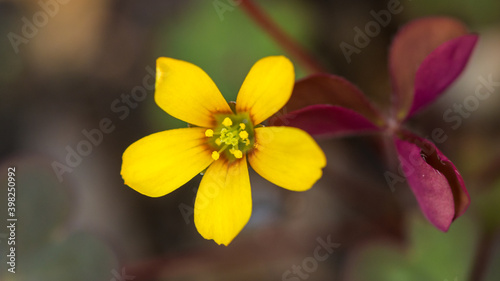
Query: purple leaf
{"x": 435, "y": 181}
{"x": 326, "y": 120}
{"x": 332, "y": 90}
{"x": 440, "y": 69}
{"x": 413, "y": 43}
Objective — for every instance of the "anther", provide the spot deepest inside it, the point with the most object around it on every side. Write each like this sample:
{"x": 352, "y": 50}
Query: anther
{"x": 243, "y": 135}
{"x": 237, "y": 153}
{"x": 227, "y": 122}
{"x": 215, "y": 155}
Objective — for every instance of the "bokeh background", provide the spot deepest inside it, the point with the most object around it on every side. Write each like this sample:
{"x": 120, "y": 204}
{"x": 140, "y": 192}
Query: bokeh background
{"x": 86, "y": 59}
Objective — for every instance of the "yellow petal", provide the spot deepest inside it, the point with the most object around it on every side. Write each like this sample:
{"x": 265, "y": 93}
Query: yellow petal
{"x": 287, "y": 157}
{"x": 267, "y": 88}
{"x": 224, "y": 202}
{"x": 186, "y": 92}
{"x": 162, "y": 162}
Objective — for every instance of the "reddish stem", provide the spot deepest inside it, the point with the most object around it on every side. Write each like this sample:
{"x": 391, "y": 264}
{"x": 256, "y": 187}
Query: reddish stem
{"x": 267, "y": 24}
{"x": 482, "y": 260}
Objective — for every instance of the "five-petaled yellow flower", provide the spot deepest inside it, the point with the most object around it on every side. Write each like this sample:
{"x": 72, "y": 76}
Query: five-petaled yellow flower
{"x": 222, "y": 138}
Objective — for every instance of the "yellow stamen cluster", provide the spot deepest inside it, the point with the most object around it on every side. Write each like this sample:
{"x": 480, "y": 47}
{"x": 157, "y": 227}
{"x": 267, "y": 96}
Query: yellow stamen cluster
{"x": 229, "y": 136}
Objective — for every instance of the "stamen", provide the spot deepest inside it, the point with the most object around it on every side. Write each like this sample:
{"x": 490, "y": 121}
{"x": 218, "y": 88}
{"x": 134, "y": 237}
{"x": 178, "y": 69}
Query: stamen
{"x": 237, "y": 153}
{"x": 242, "y": 126}
{"x": 227, "y": 122}
{"x": 209, "y": 133}
{"x": 243, "y": 135}
{"x": 215, "y": 155}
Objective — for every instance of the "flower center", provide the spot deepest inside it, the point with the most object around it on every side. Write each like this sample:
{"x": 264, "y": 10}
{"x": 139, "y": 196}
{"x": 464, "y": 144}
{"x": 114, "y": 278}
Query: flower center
{"x": 233, "y": 136}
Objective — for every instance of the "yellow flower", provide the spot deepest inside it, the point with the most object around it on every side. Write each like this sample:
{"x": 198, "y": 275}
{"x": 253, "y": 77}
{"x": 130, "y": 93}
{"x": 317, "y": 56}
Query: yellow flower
{"x": 222, "y": 140}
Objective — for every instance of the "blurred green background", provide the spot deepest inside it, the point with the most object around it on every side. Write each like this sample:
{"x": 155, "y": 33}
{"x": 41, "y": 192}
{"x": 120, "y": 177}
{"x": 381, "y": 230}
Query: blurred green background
{"x": 65, "y": 66}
